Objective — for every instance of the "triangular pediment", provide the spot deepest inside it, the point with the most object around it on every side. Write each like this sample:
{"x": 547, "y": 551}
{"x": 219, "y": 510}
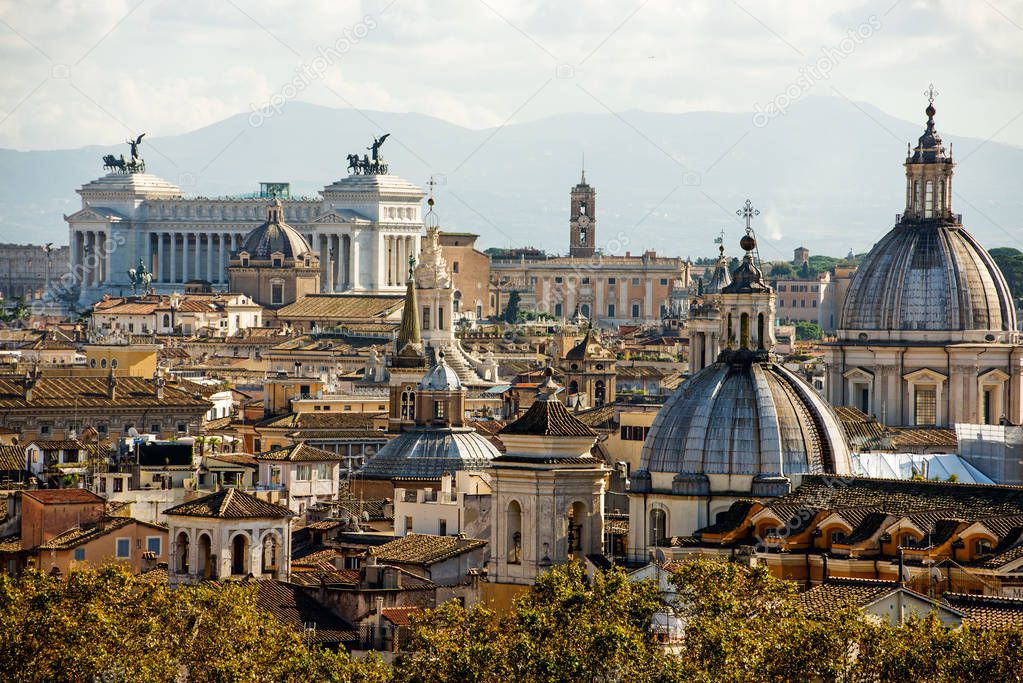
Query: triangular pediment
{"x": 339, "y": 216}
{"x": 91, "y": 215}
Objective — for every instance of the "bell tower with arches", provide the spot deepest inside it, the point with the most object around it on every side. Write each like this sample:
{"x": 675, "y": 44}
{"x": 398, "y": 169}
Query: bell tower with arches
{"x": 583, "y": 220}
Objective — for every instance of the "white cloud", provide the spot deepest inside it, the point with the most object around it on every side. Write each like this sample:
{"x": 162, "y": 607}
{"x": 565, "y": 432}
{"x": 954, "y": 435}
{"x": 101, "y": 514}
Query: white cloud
{"x": 168, "y": 67}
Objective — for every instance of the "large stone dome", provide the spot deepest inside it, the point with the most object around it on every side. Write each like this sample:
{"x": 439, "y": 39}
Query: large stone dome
{"x": 927, "y": 276}
{"x": 275, "y": 236}
{"x": 428, "y": 453}
{"x": 744, "y": 415}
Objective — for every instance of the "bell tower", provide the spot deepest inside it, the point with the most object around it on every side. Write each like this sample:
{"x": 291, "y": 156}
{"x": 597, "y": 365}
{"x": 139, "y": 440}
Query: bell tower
{"x": 583, "y": 220}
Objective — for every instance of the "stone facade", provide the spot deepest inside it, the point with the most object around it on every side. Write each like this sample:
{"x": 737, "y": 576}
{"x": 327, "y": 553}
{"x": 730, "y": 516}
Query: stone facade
{"x": 27, "y": 270}
{"x": 363, "y": 227}
{"x": 470, "y": 276}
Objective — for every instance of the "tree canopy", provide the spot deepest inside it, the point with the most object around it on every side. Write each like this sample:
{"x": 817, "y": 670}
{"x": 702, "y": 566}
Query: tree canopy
{"x": 1010, "y": 262}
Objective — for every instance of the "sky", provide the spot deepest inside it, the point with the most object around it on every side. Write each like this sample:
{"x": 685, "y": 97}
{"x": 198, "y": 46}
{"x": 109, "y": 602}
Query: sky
{"x": 84, "y": 73}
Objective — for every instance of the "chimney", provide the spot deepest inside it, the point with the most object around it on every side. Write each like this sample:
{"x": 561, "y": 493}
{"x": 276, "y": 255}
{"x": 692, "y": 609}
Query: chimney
{"x": 29, "y": 383}
{"x": 824, "y": 568}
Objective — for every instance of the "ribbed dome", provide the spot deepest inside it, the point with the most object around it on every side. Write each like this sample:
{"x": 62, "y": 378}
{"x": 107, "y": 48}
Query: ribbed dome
{"x": 745, "y": 415}
{"x": 428, "y": 453}
{"x": 442, "y": 377}
{"x": 275, "y": 236}
{"x": 927, "y": 276}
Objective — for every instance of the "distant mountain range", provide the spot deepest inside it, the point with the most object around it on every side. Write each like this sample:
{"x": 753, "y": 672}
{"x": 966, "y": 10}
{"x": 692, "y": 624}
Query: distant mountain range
{"x": 827, "y": 174}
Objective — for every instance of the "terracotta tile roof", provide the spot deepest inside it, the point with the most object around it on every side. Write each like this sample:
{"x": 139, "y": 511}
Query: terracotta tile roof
{"x": 826, "y": 597}
{"x": 300, "y": 452}
{"x": 987, "y": 611}
{"x": 230, "y": 504}
{"x": 548, "y": 417}
{"x": 355, "y": 307}
{"x": 91, "y": 392}
{"x": 62, "y": 496}
{"x": 909, "y": 437}
{"x": 901, "y": 497}
{"x": 235, "y": 458}
{"x": 72, "y": 538}
{"x": 314, "y": 576}
{"x": 399, "y": 616}
{"x": 425, "y": 549}
{"x": 12, "y": 458}
{"x": 601, "y": 418}
{"x": 331, "y": 420}
{"x": 10, "y": 544}
{"x": 58, "y": 444}
{"x": 729, "y": 519}
{"x": 292, "y": 607}
{"x": 588, "y": 348}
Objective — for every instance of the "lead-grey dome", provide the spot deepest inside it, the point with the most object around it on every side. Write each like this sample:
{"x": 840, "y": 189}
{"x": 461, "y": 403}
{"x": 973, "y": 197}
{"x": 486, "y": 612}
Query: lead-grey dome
{"x": 927, "y": 276}
{"x": 428, "y": 453}
{"x": 275, "y": 236}
{"x": 745, "y": 415}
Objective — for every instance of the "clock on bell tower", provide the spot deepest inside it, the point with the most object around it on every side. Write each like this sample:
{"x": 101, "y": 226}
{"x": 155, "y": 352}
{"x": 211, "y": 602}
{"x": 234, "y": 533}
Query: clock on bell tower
{"x": 583, "y": 222}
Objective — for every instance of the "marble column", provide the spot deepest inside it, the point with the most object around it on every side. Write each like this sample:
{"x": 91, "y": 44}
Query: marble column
{"x": 172, "y": 243}
{"x": 353, "y": 279}
{"x": 211, "y": 275}
{"x": 221, "y": 268}
{"x": 184, "y": 257}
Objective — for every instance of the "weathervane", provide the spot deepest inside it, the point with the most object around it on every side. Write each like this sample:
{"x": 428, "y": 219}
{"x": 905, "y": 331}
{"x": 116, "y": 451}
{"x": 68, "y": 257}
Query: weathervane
{"x": 748, "y": 212}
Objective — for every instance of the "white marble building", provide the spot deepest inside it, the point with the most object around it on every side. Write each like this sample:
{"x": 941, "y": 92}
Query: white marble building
{"x": 364, "y": 227}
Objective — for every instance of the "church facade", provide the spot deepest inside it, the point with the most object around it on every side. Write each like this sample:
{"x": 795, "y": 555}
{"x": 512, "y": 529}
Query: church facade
{"x": 363, "y": 227}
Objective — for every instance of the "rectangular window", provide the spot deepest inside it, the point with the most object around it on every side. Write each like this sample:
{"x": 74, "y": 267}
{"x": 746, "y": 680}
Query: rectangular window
{"x": 585, "y": 281}
{"x": 635, "y": 310}
{"x": 929, "y": 200}
{"x": 559, "y": 280}
{"x": 155, "y": 428}
{"x": 664, "y": 281}
{"x": 440, "y": 317}
{"x": 442, "y": 527}
{"x": 426, "y": 317}
{"x": 438, "y": 409}
{"x": 926, "y": 405}
{"x": 80, "y": 554}
{"x": 557, "y": 310}
{"x": 44, "y": 430}
{"x": 611, "y": 281}
{"x": 610, "y": 310}
{"x": 302, "y": 473}
{"x": 276, "y": 294}
{"x": 153, "y": 544}
{"x": 408, "y": 525}
{"x": 123, "y": 548}
{"x": 635, "y": 282}
{"x": 323, "y": 470}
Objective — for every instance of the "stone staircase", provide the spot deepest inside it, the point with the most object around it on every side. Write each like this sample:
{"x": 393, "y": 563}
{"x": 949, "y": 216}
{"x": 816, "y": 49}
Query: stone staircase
{"x": 455, "y": 357}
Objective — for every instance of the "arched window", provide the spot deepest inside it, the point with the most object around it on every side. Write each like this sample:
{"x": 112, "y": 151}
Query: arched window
{"x": 573, "y": 387}
{"x": 598, "y": 392}
{"x": 181, "y": 549}
{"x": 760, "y": 331}
{"x": 658, "y": 525}
{"x": 166, "y": 320}
{"x": 744, "y": 331}
{"x": 514, "y": 533}
{"x": 240, "y": 555}
{"x": 271, "y": 554}
{"x": 585, "y": 310}
{"x": 929, "y": 200}
{"x": 205, "y": 557}
{"x": 408, "y": 405}
{"x": 456, "y": 304}
{"x": 578, "y": 539}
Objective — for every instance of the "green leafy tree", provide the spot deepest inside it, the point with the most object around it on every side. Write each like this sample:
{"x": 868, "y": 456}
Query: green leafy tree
{"x": 106, "y": 624}
{"x": 806, "y": 330}
{"x": 511, "y": 309}
{"x": 1010, "y": 262}
{"x": 782, "y": 271}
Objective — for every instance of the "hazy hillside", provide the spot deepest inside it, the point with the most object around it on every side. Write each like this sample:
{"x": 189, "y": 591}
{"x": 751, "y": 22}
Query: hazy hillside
{"x": 827, "y": 174}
